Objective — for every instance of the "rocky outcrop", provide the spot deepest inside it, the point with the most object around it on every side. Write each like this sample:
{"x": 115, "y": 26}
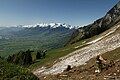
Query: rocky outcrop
{"x": 111, "y": 18}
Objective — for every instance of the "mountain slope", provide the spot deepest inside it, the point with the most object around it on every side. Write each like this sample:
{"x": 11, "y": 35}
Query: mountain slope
{"x": 111, "y": 18}
{"x": 87, "y": 72}
{"x": 110, "y": 40}
{"x": 97, "y": 45}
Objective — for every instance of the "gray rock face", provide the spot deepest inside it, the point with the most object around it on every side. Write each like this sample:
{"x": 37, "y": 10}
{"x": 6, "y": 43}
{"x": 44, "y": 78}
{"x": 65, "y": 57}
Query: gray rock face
{"x": 110, "y": 19}
{"x": 118, "y": 5}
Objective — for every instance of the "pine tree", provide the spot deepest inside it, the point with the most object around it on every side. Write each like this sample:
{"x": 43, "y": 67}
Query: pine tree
{"x": 21, "y": 57}
{"x": 9, "y": 59}
{"x": 38, "y": 56}
{"x": 44, "y": 55}
{"x": 27, "y": 58}
{"x": 16, "y": 59}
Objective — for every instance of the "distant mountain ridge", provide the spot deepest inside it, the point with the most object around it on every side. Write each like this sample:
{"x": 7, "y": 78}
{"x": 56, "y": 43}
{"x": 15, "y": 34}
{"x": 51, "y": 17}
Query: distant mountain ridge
{"x": 50, "y": 25}
{"x": 110, "y": 19}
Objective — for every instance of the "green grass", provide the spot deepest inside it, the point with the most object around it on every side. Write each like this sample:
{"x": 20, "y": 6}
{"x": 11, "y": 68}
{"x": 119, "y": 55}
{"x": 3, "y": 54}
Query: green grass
{"x": 9, "y": 71}
{"x": 54, "y": 54}
{"x": 50, "y": 56}
{"x": 113, "y": 55}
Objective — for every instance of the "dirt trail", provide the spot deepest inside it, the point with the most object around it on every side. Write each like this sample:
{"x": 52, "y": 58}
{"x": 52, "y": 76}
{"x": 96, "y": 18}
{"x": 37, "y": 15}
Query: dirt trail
{"x": 80, "y": 57}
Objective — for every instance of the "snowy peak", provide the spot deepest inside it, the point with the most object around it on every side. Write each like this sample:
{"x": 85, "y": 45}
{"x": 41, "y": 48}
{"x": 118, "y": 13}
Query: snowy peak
{"x": 52, "y": 25}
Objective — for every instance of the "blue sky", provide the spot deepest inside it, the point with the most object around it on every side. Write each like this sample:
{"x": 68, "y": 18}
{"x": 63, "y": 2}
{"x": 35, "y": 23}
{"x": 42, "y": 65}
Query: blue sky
{"x": 75, "y": 12}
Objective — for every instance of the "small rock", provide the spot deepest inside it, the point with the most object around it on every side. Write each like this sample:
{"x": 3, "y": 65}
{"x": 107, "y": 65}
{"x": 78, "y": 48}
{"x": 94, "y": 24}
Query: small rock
{"x": 109, "y": 74}
{"x": 63, "y": 75}
{"x": 97, "y": 71}
{"x": 105, "y": 78}
{"x": 114, "y": 74}
{"x": 45, "y": 77}
{"x": 118, "y": 70}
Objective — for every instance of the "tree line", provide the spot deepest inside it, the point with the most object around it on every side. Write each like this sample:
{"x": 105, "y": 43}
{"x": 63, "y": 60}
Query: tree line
{"x": 25, "y": 58}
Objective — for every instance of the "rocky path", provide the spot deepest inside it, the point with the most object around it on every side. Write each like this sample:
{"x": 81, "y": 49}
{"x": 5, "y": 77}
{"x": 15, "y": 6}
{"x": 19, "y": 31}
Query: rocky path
{"x": 81, "y": 56}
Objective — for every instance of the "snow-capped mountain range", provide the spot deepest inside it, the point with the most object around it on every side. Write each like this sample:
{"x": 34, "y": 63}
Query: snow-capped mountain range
{"x": 52, "y": 25}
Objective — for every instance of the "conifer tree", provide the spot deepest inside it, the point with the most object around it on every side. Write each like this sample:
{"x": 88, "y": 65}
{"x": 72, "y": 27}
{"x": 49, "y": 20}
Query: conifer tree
{"x": 38, "y": 56}
{"x": 27, "y": 58}
{"x": 44, "y": 55}
{"x": 9, "y": 59}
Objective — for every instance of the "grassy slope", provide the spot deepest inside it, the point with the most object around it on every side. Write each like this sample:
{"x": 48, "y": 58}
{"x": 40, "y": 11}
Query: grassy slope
{"x": 86, "y": 72}
{"x": 10, "y": 71}
{"x": 114, "y": 55}
{"x": 55, "y": 54}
